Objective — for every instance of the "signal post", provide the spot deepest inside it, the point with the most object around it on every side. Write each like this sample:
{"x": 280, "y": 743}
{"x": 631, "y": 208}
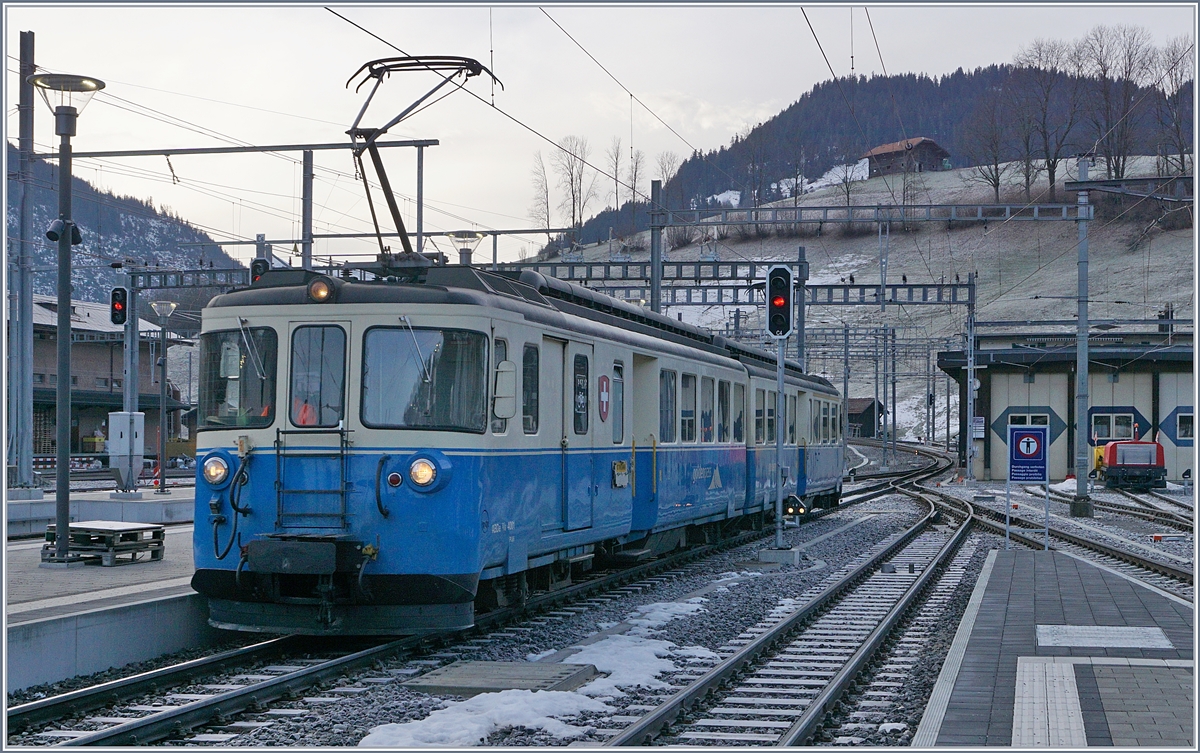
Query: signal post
{"x": 778, "y": 289}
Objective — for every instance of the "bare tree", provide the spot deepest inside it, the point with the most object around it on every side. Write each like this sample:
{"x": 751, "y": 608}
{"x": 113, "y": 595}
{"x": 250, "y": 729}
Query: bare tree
{"x": 1024, "y": 135}
{"x": 540, "y": 212}
{"x": 1175, "y": 73}
{"x": 577, "y": 181}
{"x": 1048, "y": 78}
{"x": 668, "y": 168}
{"x": 637, "y": 166}
{"x": 1119, "y": 61}
{"x": 987, "y": 140}
{"x": 614, "y": 167}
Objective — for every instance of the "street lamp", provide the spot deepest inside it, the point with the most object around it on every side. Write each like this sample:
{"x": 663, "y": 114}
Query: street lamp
{"x": 164, "y": 309}
{"x": 66, "y": 96}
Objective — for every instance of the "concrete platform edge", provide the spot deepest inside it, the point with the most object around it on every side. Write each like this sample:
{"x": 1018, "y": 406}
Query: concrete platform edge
{"x": 57, "y": 648}
{"x": 935, "y": 711}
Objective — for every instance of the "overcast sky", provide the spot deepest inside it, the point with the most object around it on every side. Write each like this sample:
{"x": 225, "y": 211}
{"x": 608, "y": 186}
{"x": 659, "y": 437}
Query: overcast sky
{"x": 191, "y": 76}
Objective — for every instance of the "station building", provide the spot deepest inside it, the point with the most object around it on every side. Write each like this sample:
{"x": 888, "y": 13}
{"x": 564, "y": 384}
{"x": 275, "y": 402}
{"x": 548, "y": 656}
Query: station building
{"x": 1140, "y": 385}
{"x": 97, "y": 373}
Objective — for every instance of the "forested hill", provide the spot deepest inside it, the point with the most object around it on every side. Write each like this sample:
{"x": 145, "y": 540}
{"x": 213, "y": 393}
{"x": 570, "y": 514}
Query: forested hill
{"x": 837, "y": 122}
{"x": 113, "y": 227}
{"x": 980, "y": 116}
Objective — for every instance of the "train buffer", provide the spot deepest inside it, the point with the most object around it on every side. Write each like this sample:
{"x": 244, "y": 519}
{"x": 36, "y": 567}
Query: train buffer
{"x": 107, "y": 539}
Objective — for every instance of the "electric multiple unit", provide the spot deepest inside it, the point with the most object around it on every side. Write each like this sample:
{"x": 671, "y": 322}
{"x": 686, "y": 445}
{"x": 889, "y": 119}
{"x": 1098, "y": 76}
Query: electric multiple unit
{"x": 388, "y": 456}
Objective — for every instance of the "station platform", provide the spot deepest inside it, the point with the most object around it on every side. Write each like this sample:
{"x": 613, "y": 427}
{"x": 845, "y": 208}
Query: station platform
{"x": 63, "y": 622}
{"x": 26, "y": 517}
{"x": 1054, "y": 651}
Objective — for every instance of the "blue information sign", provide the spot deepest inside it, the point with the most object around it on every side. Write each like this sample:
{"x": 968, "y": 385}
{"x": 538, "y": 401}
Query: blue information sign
{"x": 1028, "y": 448}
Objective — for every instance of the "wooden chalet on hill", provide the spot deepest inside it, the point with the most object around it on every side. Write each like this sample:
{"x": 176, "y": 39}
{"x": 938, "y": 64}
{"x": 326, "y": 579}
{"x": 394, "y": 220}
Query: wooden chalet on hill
{"x": 918, "y": 154}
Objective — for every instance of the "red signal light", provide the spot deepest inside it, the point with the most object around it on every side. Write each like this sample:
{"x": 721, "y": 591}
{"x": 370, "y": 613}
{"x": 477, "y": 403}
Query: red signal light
{"x": 118, "y": 307}
{"x": 778, "y": 301}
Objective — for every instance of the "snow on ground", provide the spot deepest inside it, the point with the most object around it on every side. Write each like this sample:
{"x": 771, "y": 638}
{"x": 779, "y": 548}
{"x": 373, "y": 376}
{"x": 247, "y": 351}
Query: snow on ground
{"x": 651, "y": 616}
{"x": 469, "y": 722}
{"x": 630, "y": 661}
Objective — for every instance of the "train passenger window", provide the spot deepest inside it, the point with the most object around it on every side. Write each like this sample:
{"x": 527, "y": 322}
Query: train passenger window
{"x": 318, "y": 375}
{"x": 581, "y": 401}
{"x": 739, "y": 413}
{"x": 618, "y": 402}
{"x": 814, "y": 410}
{"x": 824, "y": 422}
{"x": 722, "y": 411}
{"x": 529, "y": 389}
{"x": 666, "y": 406}
{"x": 687, "y": 409}
{"x": 1183, "y": 426}
{"x": 499, "y": 425}
{"x": 760, "y": 428}
{"x": 418, "y": 378}
{"x": 771, "y": 399}
{"x": 706, "y": 409}
{"x": 237, "y": 378}
{"x": 791, "y": 419}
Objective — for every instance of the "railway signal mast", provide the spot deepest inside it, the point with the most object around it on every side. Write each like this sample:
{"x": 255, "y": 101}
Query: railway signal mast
{"x": 779, "y": 318}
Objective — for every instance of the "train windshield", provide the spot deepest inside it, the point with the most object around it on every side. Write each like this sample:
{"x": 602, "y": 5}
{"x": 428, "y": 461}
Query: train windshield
{"x": 237, "y": 378}
{"x": 417, "y": 378}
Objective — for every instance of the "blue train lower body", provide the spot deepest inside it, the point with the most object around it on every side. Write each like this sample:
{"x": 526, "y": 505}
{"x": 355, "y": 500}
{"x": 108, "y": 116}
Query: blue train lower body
{"x": 324, "y": 543}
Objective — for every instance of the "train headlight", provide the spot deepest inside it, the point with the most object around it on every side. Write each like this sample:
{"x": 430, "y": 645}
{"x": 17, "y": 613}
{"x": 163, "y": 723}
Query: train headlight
{"x": 422, "y": 472}
{"x": 216, "y": 470}
{"x": 320, "y": 290}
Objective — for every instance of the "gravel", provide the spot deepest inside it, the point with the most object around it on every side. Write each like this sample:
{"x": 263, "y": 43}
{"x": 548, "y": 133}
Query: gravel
{"x": 896, "y": 725}
{"x": 726, "y": 614}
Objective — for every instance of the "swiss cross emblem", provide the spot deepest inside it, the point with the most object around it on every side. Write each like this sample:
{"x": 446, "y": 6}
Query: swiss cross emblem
{"x": 605, "y": 397}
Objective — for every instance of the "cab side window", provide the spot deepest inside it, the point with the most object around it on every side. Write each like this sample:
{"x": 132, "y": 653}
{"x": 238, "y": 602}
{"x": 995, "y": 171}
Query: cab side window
{"x": 666, "y": 406}
{"x": 529, "y": 390}
{"x": 499, "y": 425}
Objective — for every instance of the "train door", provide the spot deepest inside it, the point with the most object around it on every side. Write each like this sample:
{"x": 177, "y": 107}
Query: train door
{"x": 579, "y": 487}
{"x": 311, "y": 468}
{"x": 553, "y": 430}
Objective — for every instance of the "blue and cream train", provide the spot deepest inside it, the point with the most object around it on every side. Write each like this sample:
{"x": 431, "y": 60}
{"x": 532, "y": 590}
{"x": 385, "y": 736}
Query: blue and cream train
{"x": 386, "y": 456}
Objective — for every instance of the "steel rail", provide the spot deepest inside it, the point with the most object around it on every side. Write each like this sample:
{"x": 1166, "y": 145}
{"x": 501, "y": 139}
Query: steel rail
{"x": 98, "y": 696}
{"x": 805, "y": 727}
{"x": 1147, "y": 512}
{"x": 200, "y": 712}
{"x": 650, "y": 725}
{"x": 1162, "y": 568}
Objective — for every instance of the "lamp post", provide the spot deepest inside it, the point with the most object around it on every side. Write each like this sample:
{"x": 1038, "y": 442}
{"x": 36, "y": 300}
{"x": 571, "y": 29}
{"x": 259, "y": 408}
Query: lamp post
{"x": 66, "y": 96}
{"x": 164, "y": 309}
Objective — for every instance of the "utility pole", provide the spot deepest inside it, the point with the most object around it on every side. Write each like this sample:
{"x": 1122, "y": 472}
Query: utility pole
{"x": 656, "y": 246}
{"x": 800, "y": 312}
{"x": 895, "y": 408}
{"x": 884, "y": 392}
{"x": 970, "y": 424}
{"x": 306, "y": 212}
{"x": 1081, "y": 506}
{"x": 877, "y": 409}
{"x": 845, "y": 384}
{"x": 22, "y": 373}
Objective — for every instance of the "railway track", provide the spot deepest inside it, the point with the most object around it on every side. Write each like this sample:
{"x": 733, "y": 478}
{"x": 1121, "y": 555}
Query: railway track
{"x": 1147, "y": 511}
{"x": 225, "y": 693}
{"x": 1157, "y": 508}
{"x": 778, "y": 681}
{"x": 1159, "y": 574}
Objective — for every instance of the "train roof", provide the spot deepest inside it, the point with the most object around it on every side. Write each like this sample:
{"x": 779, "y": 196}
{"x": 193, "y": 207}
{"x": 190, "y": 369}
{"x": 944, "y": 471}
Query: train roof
{"x": 463, "y": 285}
